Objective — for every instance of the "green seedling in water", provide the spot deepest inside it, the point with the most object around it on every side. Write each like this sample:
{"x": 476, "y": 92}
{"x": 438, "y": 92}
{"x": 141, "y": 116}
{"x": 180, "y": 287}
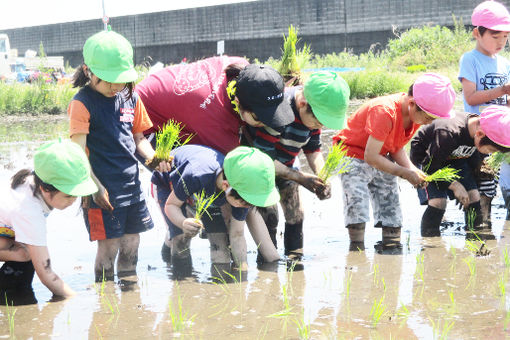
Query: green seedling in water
{"x": 507, "y": 320}
{"x": 303, "y": 328}
{"x": 445, "y": 174}
{"x": 502, "y": 286}
{"x": 10, "y": 316}
{"x": 453, "y": 251}
{"x": 378, "y": 311}
{"x": 470, "y": 261}
{"x": 179, "y": 319}
{"x": 336, "y": 162}
{"x": 419, "y": 267}
{"x": 403, "y": 314}
{"x": 441, "y": 333}
{"x": 376, "y": 270}
{"x": 348, "y": 282}
{"x": 506, "y": 257}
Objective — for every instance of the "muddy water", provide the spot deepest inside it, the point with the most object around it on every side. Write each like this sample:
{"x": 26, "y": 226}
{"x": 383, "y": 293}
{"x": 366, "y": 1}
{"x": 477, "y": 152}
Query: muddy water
{"x": 428, "y": 288}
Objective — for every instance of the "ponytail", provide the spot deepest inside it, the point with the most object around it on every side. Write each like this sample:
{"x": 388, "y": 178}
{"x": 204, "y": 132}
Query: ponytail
{"x": 20, "y": 178}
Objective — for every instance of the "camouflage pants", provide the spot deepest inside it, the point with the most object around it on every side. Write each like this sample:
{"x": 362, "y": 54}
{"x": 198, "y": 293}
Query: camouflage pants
{"x": 289, "y": 201}
{"x": 364, "y": 183}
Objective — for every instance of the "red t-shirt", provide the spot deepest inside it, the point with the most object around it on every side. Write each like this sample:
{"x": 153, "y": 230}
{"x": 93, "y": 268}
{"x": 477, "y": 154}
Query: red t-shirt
{"x": 380, "y": 118}
{"x": 194, "y": 94}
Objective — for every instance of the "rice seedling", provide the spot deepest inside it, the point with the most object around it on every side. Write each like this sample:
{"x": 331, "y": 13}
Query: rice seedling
{"x": 377, "y": 311}
{"x": 336, "y": 162}
{"x": 441, "y": 332}
{"x": 403, "y": 314}
{"x": 376, "y": 270}
{"x": 419, "y": 267}
{"x": 348, "y": 282}
{"x": 502, "y": 286}
{"x": 493, "y": 162}
{"x": 292, "y": 60}
{"x": 452, "y": 307}
{"x": 167, "y": 138}
{"x": 303, "y": 328}
{"x": 470, "y": 261}
{"x": 507, "y": 320}
{"x": 10, "y": 316}
{"x": 445, "y": 174}
{"x": 178, "y": 318}
{"x": 203, "y": 202}
{"x": 453, "y": 264}
{"x": 506, "y": 257}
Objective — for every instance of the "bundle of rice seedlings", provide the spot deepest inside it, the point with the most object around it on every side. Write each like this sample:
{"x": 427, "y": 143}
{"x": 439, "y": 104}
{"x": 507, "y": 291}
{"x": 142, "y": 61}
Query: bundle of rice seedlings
{"x": 336, "y": 163}
{"x": 203, "y": 202}
{"x": 493, "y": 162}
{"x": 445, "y": 174}
{"x": 293, "y": 61}
{"x": 167, "y": 138}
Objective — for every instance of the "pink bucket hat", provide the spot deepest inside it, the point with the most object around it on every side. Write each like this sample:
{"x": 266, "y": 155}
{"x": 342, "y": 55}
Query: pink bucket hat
{"x": 495, "y": 123}
{"x": 434, "y": 93}
{"x": 492, "y": 15}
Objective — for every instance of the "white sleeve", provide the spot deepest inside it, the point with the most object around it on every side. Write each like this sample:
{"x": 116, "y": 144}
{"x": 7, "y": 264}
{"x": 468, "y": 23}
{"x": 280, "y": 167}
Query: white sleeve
{"x": 29, "y": 222}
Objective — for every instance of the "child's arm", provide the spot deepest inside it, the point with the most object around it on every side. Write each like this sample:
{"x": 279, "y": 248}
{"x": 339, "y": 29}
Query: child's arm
{"x": 474, "y": 97}
{"x": 42, "y": 264}
{"x": 237, "y": 243}
{"x": 260, "y": 235}
{"x": 316, "y": 163}
{"x": 11, "y": 250}
{"x": 407, "y": 171}
{"x": 309, "y": 181}
{"x": 189, "y": 226}
{"x": 460, "y": 193}
{"x": 101, "y": 196}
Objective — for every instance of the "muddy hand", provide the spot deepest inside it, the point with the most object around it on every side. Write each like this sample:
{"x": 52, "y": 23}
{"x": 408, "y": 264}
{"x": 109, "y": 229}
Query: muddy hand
{"x": 324, "y": 192}
{"x": 102, "y": 199}
{"x": 311, "y": 182}
{"x": 191, "y": 227}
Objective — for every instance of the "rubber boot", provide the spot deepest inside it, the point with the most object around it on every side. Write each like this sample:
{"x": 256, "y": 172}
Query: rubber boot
{"x": 166, "y": 253}
{"x": 356, "y": 236}
{"x": 473, "y": 216}
{"x": 391, "y": 235}
{"x": 430, "y": 221}
{"x": 16, "y": 275}
{"x": 293, "y": 238}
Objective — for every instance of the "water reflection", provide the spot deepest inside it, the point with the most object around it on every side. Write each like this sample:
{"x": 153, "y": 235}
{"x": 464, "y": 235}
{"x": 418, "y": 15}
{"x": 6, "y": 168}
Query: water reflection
{"x": 420, "y": 288}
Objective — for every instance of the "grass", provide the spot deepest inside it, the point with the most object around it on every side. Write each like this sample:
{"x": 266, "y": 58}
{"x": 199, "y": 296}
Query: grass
{"x": 445, "y": 174}
{"x": 336, "y": 162}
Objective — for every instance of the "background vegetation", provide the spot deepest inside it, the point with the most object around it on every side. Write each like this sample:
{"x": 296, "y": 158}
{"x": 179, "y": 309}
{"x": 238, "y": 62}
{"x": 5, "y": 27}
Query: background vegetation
{"x": 393, "y": 69}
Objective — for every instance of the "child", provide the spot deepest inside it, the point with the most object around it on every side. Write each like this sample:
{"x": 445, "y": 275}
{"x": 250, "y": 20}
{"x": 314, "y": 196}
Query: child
{"x": 62, "y": 173}
{"x": 375, "y": 137}
{"x": 242, "y": 179}
{"x": 484, "y": 77}
{"x": 203, "y": 97}
{"x": 458, "y": 143}
{"x": 108, "y": 119}
{"x": 322, "y": 101}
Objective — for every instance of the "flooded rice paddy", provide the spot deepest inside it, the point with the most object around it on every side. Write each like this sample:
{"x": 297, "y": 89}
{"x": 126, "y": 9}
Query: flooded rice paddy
{"x": 427, "y": 288}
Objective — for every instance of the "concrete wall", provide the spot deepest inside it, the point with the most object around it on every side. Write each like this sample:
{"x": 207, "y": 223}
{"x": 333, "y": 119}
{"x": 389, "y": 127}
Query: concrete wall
{"x": 252, "y": 29}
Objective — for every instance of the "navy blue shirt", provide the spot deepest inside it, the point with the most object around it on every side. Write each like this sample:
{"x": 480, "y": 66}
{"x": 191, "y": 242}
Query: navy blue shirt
{"x": 195, "y": 168}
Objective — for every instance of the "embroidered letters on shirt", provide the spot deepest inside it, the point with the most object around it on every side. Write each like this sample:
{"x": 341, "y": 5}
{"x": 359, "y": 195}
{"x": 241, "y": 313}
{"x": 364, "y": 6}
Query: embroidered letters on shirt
{"x": 127, "y": 115}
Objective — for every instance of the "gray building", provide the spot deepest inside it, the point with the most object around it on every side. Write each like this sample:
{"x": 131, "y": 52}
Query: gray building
{"x": 251, "y": 29}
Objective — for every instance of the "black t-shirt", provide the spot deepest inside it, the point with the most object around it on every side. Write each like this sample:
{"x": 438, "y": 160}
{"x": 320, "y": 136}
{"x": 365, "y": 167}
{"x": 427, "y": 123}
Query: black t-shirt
{"x": 443, "y": 141}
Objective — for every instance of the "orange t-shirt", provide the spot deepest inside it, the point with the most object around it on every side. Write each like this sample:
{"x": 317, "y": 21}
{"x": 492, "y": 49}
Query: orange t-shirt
{"x": 380, "y": 118}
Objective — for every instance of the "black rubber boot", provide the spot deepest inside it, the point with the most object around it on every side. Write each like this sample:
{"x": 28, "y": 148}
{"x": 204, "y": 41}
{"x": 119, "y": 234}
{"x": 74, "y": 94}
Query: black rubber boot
{"x": 16, "y": 275}
{"x": 430, "y": 221}
{"x": 166, "y": 253}
{"x": 473, "y": 216}
{"x": 293, "y": 238}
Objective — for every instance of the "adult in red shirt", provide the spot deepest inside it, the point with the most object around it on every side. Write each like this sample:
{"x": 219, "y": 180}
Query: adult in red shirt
{"x": 207, "y": 98}
{"x": 375, "y": 137}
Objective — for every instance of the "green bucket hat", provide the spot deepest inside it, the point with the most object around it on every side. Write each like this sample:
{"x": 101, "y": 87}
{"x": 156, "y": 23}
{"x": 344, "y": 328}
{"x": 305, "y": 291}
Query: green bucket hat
{"x": 110, "y": 57}
{"x": 251, "y": 173}
{"x": 64, "y": 164}
{"x": 328, "y": 95}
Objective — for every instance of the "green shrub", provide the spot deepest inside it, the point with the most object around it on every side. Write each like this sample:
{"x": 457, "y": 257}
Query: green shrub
{"x": 376, "y": 82}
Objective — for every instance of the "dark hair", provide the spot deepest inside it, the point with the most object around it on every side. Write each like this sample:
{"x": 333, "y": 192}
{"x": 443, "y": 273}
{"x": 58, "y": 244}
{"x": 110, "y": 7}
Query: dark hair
{"x": 21, "y": 176}
{"x": 410, "y": 93}
{"x": 80, "y": 79}
{"x": 487, "y": 141}
{"x": 482, "y": 30}
{"x": 232, "y": 71}
{"x": 233, "y": 192}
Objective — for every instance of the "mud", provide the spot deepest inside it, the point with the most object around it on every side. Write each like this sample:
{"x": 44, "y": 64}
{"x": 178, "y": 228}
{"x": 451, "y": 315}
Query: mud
{"x": 426, "y": 288}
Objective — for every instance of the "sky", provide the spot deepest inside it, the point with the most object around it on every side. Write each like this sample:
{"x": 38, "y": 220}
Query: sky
{"x": 23, "y": 13}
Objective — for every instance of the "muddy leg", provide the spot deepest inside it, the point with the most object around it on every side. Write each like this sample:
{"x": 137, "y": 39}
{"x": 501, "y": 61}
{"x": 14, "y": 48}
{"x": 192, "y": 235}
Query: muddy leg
{"x": 391, "y": 235}
{"x": 357, "y": 235}
{"x": 270, "y": 216}
{"x": 105, "y": 259}
{"x": 219, "y": 247}
{"x": 128, "y": 254}
{"x": 431, "y": 221}
{"x": 294, "y": 215}
{"x": 180, "y": 246}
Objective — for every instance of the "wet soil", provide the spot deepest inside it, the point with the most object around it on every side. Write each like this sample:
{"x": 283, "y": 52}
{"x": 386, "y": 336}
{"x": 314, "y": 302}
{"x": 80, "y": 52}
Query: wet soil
{"x": 426, "y": 288}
